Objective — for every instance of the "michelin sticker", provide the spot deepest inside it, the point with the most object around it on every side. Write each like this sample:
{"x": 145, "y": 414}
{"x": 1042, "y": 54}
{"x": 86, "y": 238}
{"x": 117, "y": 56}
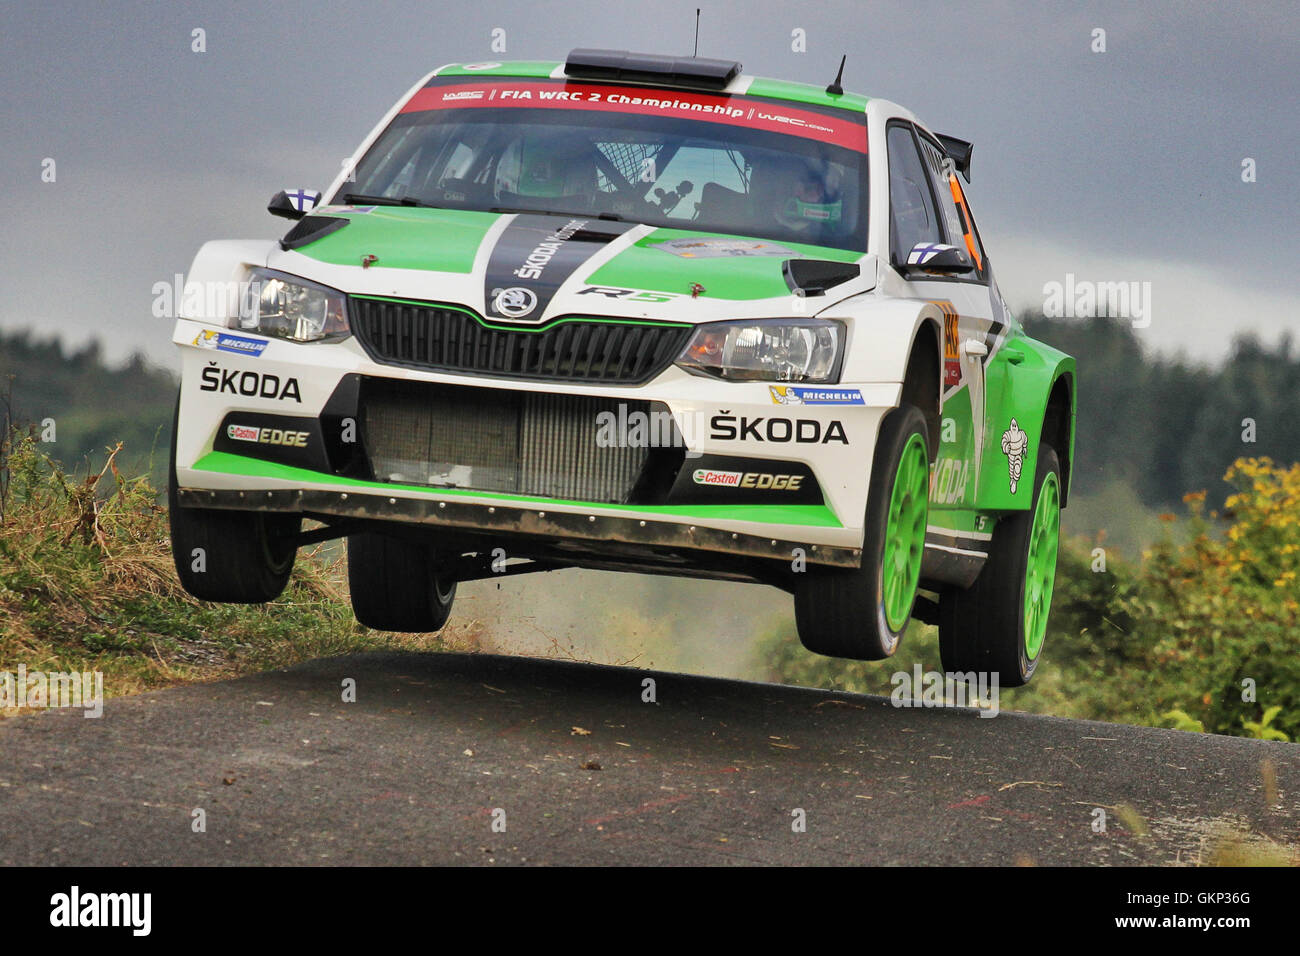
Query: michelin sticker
{"x": 690, "y": 248}
{"x": 796, "y": 395}
{"x": 224, "y": 342}
{"x": 1014, "y": 445}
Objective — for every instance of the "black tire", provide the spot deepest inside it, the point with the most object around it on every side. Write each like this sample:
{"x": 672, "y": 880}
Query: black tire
{"x": 841, "y": 613}
{"x": 234, "y": 557}
{"x": 394, "y": 585}
{"x": 982, "y": 628}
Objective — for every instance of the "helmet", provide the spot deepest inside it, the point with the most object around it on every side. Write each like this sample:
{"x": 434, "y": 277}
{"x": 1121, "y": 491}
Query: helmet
{"x": 554, "y": 165}
{"x": 799, "y": 193}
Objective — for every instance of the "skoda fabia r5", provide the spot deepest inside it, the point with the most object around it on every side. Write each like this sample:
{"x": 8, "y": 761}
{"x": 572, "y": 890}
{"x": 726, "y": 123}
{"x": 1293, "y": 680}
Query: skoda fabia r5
{"x": 633, "y": 313}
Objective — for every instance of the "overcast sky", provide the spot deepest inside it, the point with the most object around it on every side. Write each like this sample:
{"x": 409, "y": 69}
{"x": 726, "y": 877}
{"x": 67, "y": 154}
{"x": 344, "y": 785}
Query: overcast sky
{"x": 1123, "y": 165}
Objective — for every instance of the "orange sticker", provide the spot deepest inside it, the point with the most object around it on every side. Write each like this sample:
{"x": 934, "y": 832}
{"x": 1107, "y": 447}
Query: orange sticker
{"x": 951, "y": 359}
{"x": 960, "y": 199}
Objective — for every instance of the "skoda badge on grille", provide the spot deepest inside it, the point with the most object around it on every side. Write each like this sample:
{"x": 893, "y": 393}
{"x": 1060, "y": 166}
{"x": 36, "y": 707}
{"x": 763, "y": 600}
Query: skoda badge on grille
{"x": 515, "y": 302}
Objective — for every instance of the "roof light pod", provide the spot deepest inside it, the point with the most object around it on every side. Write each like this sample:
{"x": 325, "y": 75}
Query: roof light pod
{"x": 691, "y": 71}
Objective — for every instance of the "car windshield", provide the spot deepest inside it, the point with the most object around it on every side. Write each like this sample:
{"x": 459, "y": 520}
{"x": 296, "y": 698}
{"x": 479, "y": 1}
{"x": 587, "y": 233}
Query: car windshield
{"x": 701, "y": 162}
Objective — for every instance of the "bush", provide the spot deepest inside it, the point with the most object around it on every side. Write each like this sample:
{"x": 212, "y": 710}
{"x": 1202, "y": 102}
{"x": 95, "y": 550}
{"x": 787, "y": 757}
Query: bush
{"x": 1225, "y": 620}
{"x": 1211, "y": 615}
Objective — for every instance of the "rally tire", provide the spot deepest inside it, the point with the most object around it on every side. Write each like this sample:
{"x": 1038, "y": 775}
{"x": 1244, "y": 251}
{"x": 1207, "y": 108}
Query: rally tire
{"x": 998, "y": 624}
{"x": 394, "y": 585}
{"x": 232, "y": 557}
{"x": 861, "y": 613}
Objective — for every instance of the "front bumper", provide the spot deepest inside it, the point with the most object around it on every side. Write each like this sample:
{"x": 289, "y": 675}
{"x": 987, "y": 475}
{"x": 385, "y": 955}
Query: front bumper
{"x": 285, "y": 382}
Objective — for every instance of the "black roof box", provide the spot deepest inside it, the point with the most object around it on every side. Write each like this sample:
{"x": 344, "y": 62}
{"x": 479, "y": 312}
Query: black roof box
{"x": 691, "y": 71}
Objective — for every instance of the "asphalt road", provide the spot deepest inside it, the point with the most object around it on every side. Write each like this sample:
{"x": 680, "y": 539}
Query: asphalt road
{"x": 412, "y": 772}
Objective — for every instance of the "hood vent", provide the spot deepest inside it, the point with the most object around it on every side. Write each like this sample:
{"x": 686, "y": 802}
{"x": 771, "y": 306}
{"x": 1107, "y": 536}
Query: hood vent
{"x": 815, "y": 276}
{"x": 311, "y": 228}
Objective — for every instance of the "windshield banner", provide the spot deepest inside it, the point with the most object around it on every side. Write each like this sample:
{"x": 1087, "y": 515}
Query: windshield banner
{"x": 731, "y": 110}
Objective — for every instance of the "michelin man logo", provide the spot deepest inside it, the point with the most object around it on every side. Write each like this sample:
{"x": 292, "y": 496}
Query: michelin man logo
{"x": 1014, "y": 445}
{"x": 785, "y": 395}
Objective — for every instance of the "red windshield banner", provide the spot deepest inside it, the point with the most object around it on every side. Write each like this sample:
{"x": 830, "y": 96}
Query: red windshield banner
{"x": 729, "y": 110}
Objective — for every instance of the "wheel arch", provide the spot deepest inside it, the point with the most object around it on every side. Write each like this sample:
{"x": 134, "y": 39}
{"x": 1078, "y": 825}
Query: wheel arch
{"x": 1032, "y": 384}
{"x": 922, "y": 380}
{"x": 1058, "y": 427}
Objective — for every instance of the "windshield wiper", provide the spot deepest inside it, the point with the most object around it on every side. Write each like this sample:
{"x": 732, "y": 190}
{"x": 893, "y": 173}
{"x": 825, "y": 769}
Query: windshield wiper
{"x": 357, "y": 199}
{"x": 608, "y": 216}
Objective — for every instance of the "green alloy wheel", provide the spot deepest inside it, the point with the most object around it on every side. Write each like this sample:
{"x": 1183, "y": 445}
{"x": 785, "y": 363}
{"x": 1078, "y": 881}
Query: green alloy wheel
{"x": 861, "y": 613}
{"x": 1040, "y": 567}
{"x": 999, "y": 624}
{"x": 905, "y": 533}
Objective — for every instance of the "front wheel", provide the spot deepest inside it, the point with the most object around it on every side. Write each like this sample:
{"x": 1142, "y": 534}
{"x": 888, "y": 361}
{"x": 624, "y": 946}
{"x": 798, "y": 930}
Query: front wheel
{"x": 235, "y": 557}
{"x": 862, "y": 613}
{"x": 999, "y": 624}
{"x": 395, "y": 586}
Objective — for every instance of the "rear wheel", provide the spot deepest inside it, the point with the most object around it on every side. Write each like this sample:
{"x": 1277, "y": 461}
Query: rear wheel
{"x": 999, "y": 624}
{"x": 394, "y": 585}
{"x": 862, "y": 613}
{"x": 235, "y": 557}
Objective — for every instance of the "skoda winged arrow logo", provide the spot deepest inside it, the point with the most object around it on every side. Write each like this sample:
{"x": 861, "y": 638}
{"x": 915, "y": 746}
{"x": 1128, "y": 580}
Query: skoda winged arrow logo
{"x": 515, "y": 302}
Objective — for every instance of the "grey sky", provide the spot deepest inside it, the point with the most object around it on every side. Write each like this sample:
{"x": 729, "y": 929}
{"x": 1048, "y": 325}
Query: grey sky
{"x": 1123, "y": 165}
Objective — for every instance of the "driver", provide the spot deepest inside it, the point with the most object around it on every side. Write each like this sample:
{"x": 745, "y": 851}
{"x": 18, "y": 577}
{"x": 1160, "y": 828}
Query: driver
{"x": 801, "y": 194}
{"x": 551, "y": 166}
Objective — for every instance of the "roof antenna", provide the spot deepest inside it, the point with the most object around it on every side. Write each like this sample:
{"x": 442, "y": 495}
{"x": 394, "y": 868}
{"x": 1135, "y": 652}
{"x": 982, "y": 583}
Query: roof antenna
{"x": 697, "y": 32}
{"x": 835, "y": 89}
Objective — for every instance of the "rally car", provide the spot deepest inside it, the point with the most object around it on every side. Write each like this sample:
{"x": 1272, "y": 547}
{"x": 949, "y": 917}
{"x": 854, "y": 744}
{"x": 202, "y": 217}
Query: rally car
{"x": 635, "y": 313}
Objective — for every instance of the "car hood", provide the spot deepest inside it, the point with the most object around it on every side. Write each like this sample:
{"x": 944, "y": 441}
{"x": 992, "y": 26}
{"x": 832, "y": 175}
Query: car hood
{"x": 530, "y": 268}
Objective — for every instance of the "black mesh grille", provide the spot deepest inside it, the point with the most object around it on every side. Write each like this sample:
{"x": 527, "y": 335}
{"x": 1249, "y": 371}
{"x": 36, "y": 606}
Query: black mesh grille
{"x": 522, "y": 443}
{"x": 437, "y": 337}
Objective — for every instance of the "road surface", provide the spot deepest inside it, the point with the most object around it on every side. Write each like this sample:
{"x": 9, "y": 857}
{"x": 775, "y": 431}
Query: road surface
{"x": 439, "y": 748}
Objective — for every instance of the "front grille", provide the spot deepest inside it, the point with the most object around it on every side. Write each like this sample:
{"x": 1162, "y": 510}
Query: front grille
{"x": 496, "y": 440}
{"x": 431, "y": 336}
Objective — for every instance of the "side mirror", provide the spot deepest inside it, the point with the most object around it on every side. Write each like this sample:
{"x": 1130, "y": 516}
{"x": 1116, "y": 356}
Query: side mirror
{"x": 293, "y": 203}
{"x": 938, "y": 258}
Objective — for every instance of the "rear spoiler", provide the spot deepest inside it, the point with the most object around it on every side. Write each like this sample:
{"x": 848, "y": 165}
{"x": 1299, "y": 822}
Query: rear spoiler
{"x": 958, "y": 151}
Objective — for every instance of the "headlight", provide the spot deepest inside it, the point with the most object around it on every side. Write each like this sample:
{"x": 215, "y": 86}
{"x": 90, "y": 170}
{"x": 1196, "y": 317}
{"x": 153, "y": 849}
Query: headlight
{"x": 769, "y": 350}
{"x": 291, "y": 308}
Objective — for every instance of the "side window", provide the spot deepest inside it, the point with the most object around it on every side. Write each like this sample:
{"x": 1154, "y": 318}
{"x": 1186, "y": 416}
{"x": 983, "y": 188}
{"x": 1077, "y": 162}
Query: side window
{"x": 912, "y": 216}
{"x": 952, "y": 203}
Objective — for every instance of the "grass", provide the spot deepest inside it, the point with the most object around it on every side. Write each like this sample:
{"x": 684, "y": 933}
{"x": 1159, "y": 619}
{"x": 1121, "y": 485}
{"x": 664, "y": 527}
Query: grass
{"x": 87, "y": 583}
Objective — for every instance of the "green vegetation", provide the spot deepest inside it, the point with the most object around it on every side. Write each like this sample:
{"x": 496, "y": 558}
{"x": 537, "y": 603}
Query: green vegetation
{"x": 87, "y": 583}
{"x": 1163, "y": 427}
{"x": 1201, "y": 634}
{"x": 92, "y": 407}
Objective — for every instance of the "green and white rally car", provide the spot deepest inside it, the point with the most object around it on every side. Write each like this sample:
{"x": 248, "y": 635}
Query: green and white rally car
{"x": 635, "y": 313}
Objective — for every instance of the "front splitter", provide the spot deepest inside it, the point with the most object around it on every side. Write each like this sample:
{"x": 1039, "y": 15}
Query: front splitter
{"x": 507, "y": 520}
